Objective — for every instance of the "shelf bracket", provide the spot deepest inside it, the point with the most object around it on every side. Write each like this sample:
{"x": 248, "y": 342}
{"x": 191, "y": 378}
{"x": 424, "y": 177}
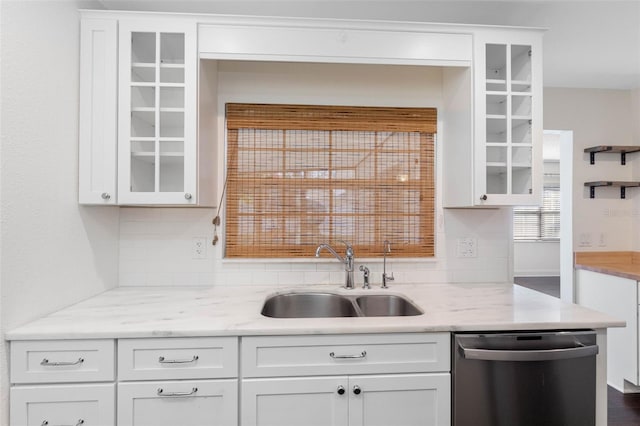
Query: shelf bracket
{"x": 623, "y": 159}
{"x": 592, "y": 192}
{"x": 623, "y": 191}
{"x": 592, "y": 159}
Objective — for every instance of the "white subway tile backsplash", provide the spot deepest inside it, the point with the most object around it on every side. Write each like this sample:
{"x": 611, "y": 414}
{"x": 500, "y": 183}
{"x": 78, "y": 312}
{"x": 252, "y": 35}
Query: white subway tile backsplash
{"x": 185, "y": 279}
{"x": 290, "y": 278}
{"x": 206, "y": 279}
{"x": 132, "y": 279}
{"x": 278, "y": 267}
{"x": 156, "y": 249}
{"x": 316, "y": 277}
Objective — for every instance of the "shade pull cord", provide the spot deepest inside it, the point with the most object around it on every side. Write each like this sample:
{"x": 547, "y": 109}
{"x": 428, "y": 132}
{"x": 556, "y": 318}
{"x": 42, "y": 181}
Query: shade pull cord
{"x": 216, "y": 220}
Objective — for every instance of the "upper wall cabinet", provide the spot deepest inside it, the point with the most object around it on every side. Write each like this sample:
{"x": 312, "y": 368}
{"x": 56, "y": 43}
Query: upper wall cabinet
{"x": 505, "y": 163}
{"x": 157, "y": 113}
{"x": 151, "y": 124}
{"x": 145, "y": 73}
{"x": 97, "y": 151}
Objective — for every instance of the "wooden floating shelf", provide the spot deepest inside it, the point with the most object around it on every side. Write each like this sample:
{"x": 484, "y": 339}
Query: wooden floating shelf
{"x": 623, "y": 185}
{"x": 623, "y": 150}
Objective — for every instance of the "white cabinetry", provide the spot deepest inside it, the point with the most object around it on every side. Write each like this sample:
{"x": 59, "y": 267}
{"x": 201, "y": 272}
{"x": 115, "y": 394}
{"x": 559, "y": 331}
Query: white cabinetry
{"x": 346, "y": 380}
{"x": 211, "y": 400}
{"x": 397, "y": 399}
{"x": 42, "y": 364}
{"x": 72, "y": 405}
{"x": 310, "y": 401}
{"x": 180, "y": 402}
{"x": 97, "y": 151}
{"x": 138, "y": 116}
{"x": 504, "y": 166}
{"x": 157, "y": 113}
{"x": 177, "y": 381}
{"x": 618, "y": 297}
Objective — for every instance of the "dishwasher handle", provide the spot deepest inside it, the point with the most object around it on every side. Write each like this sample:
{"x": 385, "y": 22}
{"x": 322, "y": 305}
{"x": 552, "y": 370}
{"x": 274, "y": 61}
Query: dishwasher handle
{"x": 535, "y": 355}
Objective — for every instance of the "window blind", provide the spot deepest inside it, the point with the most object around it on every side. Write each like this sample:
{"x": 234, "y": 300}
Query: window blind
{"x": 539, "y": 223}
{"x": 299, "y": 175}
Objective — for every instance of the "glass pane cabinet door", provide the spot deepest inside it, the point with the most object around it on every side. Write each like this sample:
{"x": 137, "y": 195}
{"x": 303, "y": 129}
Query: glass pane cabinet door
{"x": 508, "y": 119}
{"x": 158, "y": 137}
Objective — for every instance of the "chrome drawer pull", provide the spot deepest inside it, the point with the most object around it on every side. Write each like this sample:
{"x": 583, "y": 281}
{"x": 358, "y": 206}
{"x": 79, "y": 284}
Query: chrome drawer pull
{"x": 46, "y": 362}
{"x": 161, "y": 392}
{"x": 362, "y": 355}
{"x": 46, "y": 423}
{"x": 162, "y": 360}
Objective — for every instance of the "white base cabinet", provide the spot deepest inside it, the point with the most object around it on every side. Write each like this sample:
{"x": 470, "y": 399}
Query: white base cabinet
{"x": 618, "y": 297}
{"x": 324, "y": 380}
{"x": 355, "y": 380}
{"x": 73, "y": 405}
{"x": 407, "y": 400}
{"x": 184, "y": 403}
{"x": 395, "y": 399}
{"x": 309, "y": 401}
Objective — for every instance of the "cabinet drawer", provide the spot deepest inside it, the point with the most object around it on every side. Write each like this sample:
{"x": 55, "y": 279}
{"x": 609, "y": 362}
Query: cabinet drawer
{"x": 62, "y": 361}
{"x": 63, "y": 405}
{"x": 183, "y": 403}
{"x": 177, "y": 358}
{"x": 345, "y": 354}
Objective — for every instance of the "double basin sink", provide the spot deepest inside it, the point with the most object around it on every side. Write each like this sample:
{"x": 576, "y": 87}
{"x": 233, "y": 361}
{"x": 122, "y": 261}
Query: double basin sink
{"x": 330, "y": 305}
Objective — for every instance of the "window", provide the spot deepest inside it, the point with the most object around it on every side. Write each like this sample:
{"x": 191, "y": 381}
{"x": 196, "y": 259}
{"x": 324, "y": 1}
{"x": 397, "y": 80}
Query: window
{"x": 543, "y": 222}
{"x": 300, "y": 175}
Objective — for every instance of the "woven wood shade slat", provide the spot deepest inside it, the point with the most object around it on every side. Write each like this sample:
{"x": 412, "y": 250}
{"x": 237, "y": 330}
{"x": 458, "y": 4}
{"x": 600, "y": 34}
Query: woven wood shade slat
{"x": 301, "y": 175}
{"x": 324, "y": 117}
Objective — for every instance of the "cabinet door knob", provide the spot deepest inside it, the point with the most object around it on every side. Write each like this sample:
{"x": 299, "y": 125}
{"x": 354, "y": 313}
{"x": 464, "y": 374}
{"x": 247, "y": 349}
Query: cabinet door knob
{"x": 105, "y": 195}
{"x": 341, "y": 390}
{"x": 484, "y": 197}
{"x": 357, "y": 390}
{"x": 187, "y": 196}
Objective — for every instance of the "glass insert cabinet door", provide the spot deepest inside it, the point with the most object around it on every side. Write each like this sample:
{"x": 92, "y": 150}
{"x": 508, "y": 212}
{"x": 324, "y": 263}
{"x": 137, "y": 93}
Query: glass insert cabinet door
{"x": 157, "y": 102}
{"x": 509, "y": 123}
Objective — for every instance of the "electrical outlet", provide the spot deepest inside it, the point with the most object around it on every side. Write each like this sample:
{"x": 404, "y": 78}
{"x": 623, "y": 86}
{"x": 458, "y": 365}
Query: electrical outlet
{"x": 466, "y": 247}
{"x": 199, "y": 248}
{"x": 585, "y": 240}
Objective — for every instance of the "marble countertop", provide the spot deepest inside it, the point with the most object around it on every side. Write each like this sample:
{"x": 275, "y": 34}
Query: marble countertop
{"x": 219, "y": 311}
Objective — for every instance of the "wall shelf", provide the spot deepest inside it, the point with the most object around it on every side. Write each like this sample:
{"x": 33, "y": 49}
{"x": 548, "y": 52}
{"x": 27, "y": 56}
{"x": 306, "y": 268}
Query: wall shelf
{"x": 621, "y": 184}
{"x": 621, "y": 149}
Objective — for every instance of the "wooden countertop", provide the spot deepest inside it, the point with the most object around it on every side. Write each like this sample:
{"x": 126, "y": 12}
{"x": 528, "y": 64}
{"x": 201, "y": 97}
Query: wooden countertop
{"x": 625, "y": 264}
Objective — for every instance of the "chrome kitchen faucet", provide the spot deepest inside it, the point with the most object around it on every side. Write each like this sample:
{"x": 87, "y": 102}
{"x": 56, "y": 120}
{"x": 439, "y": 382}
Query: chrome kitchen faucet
{"x": 347, "y": 260}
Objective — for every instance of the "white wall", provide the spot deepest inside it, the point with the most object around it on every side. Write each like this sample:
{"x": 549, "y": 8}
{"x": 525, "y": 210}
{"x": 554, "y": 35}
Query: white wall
{"x": 4, "y": 394}
{"x": 536, "y": 258}
{"x": 54, "y": 252}
{"x": 155, "y": 244}
{"x": 635, "y": 120}
{"x": 597, "y": 117}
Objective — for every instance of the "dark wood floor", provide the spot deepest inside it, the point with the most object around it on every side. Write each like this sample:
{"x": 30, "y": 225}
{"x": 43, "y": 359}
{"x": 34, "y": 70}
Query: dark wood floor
{"x": 546, "y": 285}
{"x": 623, "y": 409}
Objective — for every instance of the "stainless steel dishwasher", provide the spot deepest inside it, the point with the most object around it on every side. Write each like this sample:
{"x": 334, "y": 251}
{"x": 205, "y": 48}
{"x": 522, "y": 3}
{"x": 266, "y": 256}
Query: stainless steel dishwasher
{"x": 524, "y": 379}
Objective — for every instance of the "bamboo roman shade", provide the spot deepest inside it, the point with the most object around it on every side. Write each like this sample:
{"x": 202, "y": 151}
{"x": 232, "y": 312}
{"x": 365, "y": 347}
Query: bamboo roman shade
{"x": 299, "y": 175}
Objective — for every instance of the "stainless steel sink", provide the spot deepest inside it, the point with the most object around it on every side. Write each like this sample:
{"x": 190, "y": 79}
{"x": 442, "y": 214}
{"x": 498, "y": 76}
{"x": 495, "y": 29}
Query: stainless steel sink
{"x": 386, "y": 305}
{"x": 330, "y": 305}
{"x": 308, "y": 305}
